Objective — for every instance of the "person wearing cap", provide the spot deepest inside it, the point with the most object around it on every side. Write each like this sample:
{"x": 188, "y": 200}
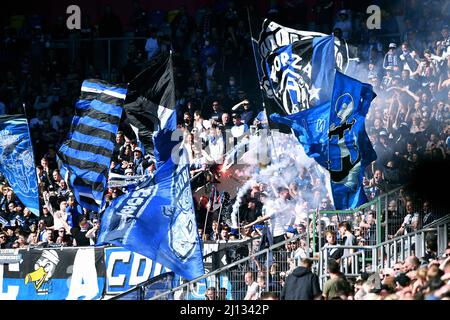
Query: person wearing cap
{"x": 138, "y": 160}
{"x": 391, "y": 59}
{"x": 383, "y": 149}
{"x": 239, "y": 128}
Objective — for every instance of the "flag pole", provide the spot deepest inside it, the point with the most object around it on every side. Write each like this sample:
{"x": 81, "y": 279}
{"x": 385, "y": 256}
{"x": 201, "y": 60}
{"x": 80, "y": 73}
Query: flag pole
{"x": 260, "y": 86}
{"x": 206, "y": 221}
{"x": 221, "y": 206}
{"x": 211, "y": 203}
{"x": 32, "y": 149}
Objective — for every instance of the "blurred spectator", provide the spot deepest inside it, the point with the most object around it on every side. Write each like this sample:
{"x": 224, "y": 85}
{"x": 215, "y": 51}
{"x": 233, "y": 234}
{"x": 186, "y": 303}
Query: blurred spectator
{"x": 390, "y": 61}
{"x": 337, "y": 287}
{"x": 301, "y": 284}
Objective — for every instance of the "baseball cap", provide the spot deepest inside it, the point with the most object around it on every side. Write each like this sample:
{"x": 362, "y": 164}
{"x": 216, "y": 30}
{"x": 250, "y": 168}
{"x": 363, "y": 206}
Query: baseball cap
{"x": 128, "y": 171}
{"x": 392, "y": 45}
{"x": 137, "y": 149}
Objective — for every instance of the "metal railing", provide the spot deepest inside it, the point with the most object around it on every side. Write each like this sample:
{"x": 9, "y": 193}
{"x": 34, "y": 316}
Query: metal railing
{"x": 387, "y": 253}
{"x": 231, "y": 276}
{"x": 148, "y": 288}
{"x": 386, "y": 224}
{"x": 352, "y": 264}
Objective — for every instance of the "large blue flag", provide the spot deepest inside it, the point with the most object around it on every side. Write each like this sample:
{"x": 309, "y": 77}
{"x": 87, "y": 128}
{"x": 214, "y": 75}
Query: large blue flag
{"x": 86, "y": 156}
{"x": 334, "y": 134}
{"x": 17, "y": 160}
{"x": 296, "y": 68}
{"x": 157, "y": 220}
{"x": 300, "y": 74}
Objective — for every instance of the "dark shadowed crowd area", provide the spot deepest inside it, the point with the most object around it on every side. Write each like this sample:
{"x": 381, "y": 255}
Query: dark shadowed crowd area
{"x": 407, "y": 62}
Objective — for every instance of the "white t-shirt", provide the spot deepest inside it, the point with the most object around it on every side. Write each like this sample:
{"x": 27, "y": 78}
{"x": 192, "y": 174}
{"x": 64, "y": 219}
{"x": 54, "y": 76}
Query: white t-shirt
{"x": 238, "y": 131}
{"x": 252, "y": 291}
{"x": 216, "y": 149}
{"x": 57, "y": 221}
{"x": 282, "y": 215}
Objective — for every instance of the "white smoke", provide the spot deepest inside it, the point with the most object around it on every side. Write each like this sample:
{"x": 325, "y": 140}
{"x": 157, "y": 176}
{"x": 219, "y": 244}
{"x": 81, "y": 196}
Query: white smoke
{"x": 288, "y": 160}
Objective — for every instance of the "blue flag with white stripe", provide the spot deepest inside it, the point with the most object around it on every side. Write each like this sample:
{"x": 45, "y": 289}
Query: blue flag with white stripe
{"x": 17, "y": 160}
{"x": 157, "y": 220}
{"x": 86, "y": 156}
{"x": 334, "y": 135}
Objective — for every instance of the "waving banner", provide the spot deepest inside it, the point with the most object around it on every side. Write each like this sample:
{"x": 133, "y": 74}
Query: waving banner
{"x": 296, "y": 68}
{"x": 334, "y": 135}
{"x": 17, "y": 160}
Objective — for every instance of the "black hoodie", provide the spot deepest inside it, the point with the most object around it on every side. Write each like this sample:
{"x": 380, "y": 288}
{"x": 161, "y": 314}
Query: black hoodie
{"x": 301, "y": 284}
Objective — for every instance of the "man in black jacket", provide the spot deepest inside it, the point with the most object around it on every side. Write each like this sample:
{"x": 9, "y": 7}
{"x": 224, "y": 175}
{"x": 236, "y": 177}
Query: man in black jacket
{"x": 301, "y": 284}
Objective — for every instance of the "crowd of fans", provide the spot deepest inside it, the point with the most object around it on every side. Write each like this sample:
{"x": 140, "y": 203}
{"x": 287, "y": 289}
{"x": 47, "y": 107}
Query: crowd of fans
{"x": 411, "y": 279}
{"x": 219, "y": 105}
